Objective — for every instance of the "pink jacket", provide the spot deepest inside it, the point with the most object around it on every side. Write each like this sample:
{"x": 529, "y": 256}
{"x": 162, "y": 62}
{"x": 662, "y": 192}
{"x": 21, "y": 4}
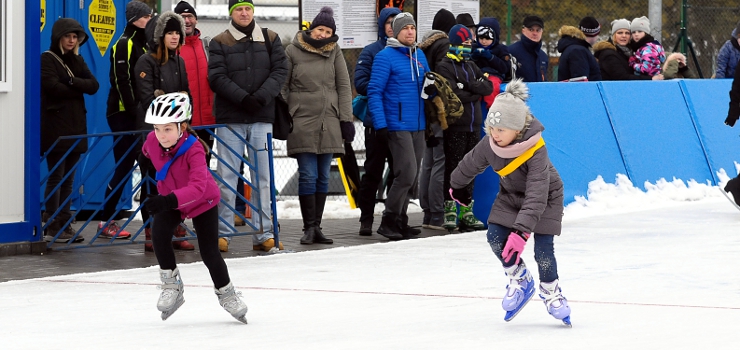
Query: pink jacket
{"x": 188, "y": 177}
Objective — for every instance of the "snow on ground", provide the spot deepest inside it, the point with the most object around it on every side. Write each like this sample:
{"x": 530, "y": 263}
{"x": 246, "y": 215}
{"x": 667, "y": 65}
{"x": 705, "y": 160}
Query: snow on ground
{"x": 641, "y": 269}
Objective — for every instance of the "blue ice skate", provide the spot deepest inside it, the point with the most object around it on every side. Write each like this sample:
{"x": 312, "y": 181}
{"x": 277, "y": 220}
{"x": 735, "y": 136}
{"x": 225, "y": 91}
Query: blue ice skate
{"x": 555, "y": 302}
{"x": 519, "y": 291}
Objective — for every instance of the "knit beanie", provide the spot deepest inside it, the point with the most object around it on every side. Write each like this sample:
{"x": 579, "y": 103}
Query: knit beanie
{"x": 618, "y": 24}
{"x": 642, "y": 24}
{"x": 590, "y": 26}
{"x": 324, "y": 18}
{"x": 458, "y": 34}
{"x": 444, "y": 20}
{"x": 402, "y": 19}
{"x": 465, "y": 19}
{"x": 509, "y": 111}
{"x": 136, "y": 10}
{"x": 185, "y": 7}
{"x": 173, "y": 25}
{"x": 236, "y": 3}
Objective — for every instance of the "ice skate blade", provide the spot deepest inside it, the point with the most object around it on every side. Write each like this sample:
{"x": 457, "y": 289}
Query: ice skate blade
{"x": 168, "y": 313}
{"x": 566, "y": 322}
{"x": 242, "y": 319}
{"x": 511, "y": 314}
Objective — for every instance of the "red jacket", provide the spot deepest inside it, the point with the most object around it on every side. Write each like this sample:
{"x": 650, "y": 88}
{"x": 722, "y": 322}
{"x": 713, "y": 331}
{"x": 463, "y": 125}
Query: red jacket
{"x": 188, "y": 177}
{"x": 196, "y": 64}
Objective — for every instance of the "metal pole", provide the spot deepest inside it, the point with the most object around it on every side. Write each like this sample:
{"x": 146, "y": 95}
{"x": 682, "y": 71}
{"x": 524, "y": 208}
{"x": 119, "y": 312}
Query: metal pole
{"x": 655, "y": 13}
{"x": 684, "y": 36}
{"x": 508, "y": 22}
{"x": 272, "y": 199}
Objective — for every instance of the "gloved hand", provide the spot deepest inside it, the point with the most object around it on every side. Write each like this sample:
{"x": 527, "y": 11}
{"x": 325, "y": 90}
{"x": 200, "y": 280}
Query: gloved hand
{"x": 499, "y": 51}
{"x": 381, "y": 136}
{"x": 253, "y": 102}
{"x": 731, "y": 120}
{"x": 430, "y": 89}
{"x": 348, "y": 131}
{"x": 156, "y": 204}
{"x": 463, "y": 85}
{"x": 432, "y": 142}
{"x": 461, "y": 196}
{"x": 514, "y": 246}
{"x": 481, "y": 53}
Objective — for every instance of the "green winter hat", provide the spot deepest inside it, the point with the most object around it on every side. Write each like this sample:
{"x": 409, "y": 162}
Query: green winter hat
{"x": 236, "y": 3}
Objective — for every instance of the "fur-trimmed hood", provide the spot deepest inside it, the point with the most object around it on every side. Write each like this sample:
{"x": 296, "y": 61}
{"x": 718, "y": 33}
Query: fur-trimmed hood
{"x": 604, "y": 45}
{"x": 430, "y": 37}
{"x": 572, "y": 32}
{"x": 301, "y": 43}
{"x": 155, "y": 29}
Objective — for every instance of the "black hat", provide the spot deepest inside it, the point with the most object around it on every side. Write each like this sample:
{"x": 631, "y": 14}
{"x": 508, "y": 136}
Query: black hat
{"x": 465, "y": 19}
{"x": 531, "y": 21}
{"x": 136, "y": 10}
{"x": 185, "y": 7}
{"x": 324, "y": 18}
{"x": 590, "y": 26}
{"x": 444, "y": 20}
{"x": 236, "y": 3}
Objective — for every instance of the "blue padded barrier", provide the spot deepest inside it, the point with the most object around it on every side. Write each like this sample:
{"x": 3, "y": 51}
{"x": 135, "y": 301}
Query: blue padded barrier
{"x": 655, "y": 131}
{"x": 708, "y": 101}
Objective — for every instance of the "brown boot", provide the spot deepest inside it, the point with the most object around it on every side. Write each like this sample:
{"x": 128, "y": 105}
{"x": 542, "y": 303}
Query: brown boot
{"x": 148, "y": 246}
{"x": 182, "y": 245}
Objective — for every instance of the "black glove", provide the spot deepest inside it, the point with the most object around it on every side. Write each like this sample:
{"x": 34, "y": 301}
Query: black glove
{"x": 461, "y": 196}
{"x": 481, "y": 53}
{"x": 731, "y": 120}
{"x": 430, "y": 89}
{"x": 253, "y": 102}
{"x": 348, "y": 131}
{"x": 156, "y": 204}
{"x": 432, "y": 141}
{"x": 381, "y": 136}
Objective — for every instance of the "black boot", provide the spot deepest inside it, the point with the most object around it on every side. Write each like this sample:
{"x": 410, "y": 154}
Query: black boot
{"x": 406, "y": 231}
{"x": 318, "y": 235}
{"x": 733, "y": 186}
{"x": 308, "y": 212}
{"x": 389, "y": 227}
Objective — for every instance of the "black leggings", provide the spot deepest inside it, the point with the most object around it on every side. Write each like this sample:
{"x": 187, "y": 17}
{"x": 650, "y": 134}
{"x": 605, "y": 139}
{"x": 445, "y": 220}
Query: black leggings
{"x": 206, "y": 225}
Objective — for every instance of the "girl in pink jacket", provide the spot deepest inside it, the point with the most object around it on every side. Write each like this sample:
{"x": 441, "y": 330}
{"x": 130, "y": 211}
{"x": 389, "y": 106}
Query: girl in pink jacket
{"x": 186, "y": 190}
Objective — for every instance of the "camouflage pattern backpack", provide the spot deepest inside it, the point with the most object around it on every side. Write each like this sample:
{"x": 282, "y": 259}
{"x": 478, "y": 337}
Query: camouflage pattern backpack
{"x": 445, "y": 108}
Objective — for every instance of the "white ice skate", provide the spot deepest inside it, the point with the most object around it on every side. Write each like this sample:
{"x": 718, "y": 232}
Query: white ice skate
{"x": 519, "y": 291}
{"x": 555, "y": 302}
{"x": 171, "y": 297}
{"x": 231, "y": 301}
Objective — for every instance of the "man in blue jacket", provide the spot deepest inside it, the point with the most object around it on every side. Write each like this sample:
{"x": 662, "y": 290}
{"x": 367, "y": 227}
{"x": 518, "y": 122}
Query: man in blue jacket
{"x": 376, "y": 152}
{"x": 531, "y": 60}
{"x": 394, "y": 100}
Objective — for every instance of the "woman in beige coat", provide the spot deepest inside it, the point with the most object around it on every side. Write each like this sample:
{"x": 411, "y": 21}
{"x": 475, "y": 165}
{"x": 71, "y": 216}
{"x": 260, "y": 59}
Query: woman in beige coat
{"x": 320, "y": 100}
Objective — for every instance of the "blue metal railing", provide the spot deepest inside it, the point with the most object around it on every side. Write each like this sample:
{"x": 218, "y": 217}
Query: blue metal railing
{"x": 84, "y": 185}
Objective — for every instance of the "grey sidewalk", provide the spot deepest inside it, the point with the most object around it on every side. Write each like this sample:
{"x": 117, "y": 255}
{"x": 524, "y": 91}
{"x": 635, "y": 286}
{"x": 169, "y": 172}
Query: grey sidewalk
{"x": 344, "y": 232}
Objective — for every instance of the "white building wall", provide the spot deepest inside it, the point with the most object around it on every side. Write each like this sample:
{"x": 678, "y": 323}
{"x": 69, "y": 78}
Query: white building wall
{"x": 12, "y": 116}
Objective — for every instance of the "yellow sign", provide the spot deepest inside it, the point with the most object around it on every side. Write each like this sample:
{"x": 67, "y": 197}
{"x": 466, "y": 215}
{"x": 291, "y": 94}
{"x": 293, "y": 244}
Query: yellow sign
{"x": 43, "y": 14}
{"x": 102, "y": 23}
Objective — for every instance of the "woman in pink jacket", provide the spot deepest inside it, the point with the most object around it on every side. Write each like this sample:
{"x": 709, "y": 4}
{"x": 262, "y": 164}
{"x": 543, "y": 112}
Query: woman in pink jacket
{"x": 186, "y": 190}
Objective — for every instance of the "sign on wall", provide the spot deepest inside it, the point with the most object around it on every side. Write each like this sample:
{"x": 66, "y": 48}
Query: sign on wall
{"x": 425, "y": 12}
{"x": 102, "y": 23}
{"x": 357, "y": 24}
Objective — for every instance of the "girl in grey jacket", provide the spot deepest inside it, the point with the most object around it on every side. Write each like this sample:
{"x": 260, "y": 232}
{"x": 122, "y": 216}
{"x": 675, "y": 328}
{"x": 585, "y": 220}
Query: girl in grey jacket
{"x": 530, "y": 199}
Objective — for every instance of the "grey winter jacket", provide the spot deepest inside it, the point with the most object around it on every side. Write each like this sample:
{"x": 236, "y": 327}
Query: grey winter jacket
{"x": 240, "y": 65}
{"x": 319, "y": 96}
{"x": 530, "y": 199}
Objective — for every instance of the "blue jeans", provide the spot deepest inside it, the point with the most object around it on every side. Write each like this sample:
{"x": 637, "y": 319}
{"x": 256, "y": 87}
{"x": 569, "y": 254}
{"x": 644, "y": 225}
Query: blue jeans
{"x": 256, "y": 135}
{"x": 313, "y": 172}
{"x": 544, "y": 251}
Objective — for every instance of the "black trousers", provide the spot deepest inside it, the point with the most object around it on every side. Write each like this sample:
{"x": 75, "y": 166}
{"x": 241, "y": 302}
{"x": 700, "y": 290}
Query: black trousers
{"x": 65, "y": 190}
{"x": 206, "y": 225}
{"x": 457, "y": 145}
{"x": 121, "y": 121}
{"x": 376, "y": 155}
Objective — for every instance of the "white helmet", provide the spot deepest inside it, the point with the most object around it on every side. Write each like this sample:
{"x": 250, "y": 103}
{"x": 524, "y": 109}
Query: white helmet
{"x": 169, "y": 108}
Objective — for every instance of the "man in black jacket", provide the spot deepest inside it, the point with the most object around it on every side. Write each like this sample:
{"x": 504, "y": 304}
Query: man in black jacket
{"x": 247, "y": 68}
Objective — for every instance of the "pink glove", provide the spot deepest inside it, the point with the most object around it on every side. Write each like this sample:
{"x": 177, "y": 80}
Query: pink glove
{"x": 515, "y": 246}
